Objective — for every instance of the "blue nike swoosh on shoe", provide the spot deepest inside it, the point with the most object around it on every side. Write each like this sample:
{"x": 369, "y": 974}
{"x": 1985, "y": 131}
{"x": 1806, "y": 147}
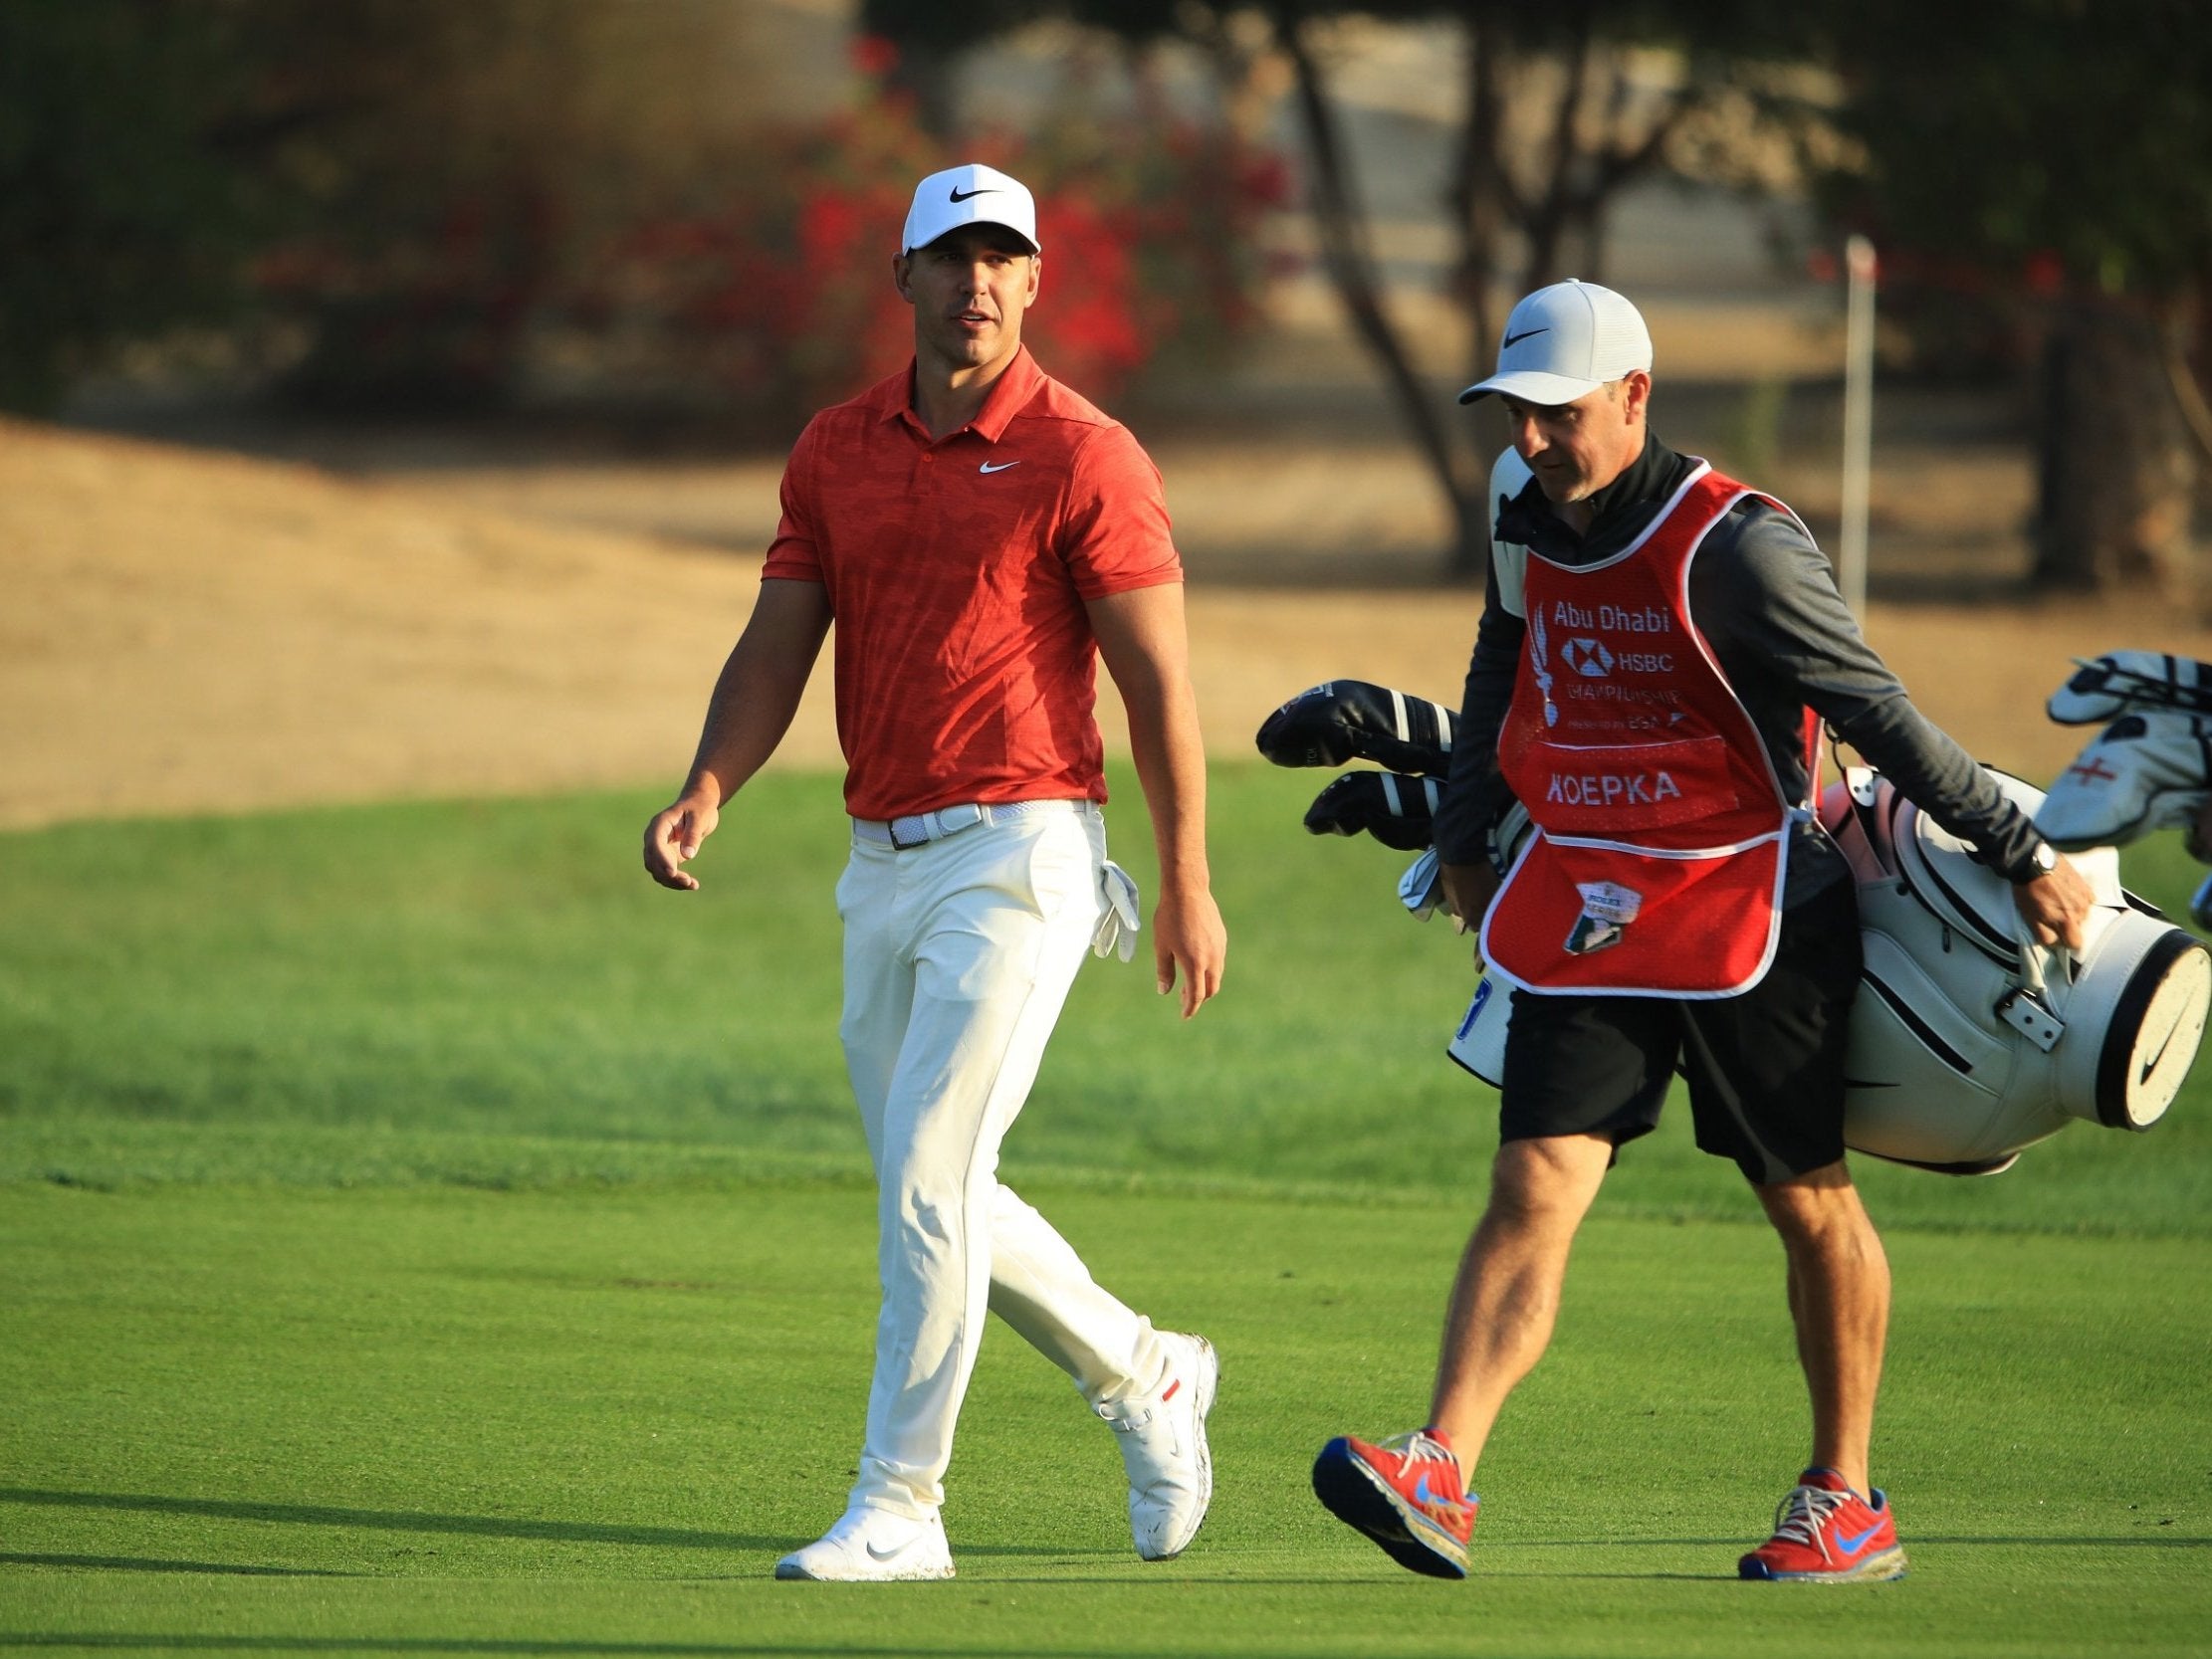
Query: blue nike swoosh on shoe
{"x": 1421, "y": 1494}
{"x": 1851, "y": 1546}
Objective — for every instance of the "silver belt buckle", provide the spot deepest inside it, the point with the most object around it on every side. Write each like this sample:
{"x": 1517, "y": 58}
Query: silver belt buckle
{"x": 926, "y": 827}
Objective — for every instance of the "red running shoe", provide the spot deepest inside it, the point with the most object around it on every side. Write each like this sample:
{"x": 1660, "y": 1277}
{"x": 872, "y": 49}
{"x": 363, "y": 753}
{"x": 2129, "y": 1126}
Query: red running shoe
{"x": 1824, "y": 1532}
{"x": 1404, "y": 1495}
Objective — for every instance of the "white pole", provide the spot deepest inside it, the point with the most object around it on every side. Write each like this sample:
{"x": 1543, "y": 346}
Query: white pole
{"x": 1859, "y": 386}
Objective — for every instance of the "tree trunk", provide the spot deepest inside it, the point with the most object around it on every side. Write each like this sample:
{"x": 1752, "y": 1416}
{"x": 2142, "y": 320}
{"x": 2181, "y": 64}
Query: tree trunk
{"x": 2117, "y": 462}
{"x": 1350, "y": 267}
{"x": 1479, "y": 200}
{"x": 928, "y": 73}
{"x": 1551, "y": 209}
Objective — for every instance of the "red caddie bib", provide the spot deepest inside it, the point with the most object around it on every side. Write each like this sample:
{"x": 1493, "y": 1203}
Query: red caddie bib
{"x": 1661, "y": 830}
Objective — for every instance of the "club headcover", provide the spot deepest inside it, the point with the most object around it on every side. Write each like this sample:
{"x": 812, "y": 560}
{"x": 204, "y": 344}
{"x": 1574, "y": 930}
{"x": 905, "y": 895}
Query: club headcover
{"x": 2150, "y": 769}
{"x": 1398, "y": 811}
{"x": 1351, "y": 720}
{"x": 2119, "y": 681}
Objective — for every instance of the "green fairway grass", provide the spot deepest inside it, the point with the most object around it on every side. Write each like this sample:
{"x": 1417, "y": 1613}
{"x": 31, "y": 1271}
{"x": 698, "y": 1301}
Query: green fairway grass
{"x": 494, "y": 992}
{"x": 419, "y": 1234}
{"x": 424, "y": 1419}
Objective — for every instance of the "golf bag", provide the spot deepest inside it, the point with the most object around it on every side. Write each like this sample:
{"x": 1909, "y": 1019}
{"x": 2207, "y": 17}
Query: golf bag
{"x": 1967, "y": 1044}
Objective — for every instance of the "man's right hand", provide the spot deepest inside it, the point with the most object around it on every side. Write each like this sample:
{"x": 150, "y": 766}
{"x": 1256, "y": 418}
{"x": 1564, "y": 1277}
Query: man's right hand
{"x": 1467, "y": 892}
{"x": 2055, "y": 905}
{"x": 672, "y": 839}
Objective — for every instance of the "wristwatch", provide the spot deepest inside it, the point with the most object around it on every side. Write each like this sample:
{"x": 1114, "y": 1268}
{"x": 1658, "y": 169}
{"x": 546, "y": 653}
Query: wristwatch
{"x": 2045, "y": 859}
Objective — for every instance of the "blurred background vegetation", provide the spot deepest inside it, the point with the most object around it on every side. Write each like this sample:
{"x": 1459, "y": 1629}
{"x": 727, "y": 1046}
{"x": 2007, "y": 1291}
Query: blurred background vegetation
{"x": 408, "y": 206}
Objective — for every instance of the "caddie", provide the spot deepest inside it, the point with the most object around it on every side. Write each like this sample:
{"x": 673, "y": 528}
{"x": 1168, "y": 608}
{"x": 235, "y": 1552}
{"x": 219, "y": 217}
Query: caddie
{"x": 980, "y": 535}
{"x": 1658, "y": 647}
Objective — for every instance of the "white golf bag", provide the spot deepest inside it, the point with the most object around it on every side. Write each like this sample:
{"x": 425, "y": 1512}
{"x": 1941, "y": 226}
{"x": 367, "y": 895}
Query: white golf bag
{"x": 1967, "y": 1043}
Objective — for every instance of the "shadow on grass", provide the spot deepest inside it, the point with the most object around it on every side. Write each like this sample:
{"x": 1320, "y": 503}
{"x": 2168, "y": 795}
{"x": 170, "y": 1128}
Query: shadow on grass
{"x": 136, "y": 1564}
{"x": 160, "y": 1642}
{"x": 477, "y": 1526}
{"x": 393, "y": 1521}
{"x": 2068, "y": 1542}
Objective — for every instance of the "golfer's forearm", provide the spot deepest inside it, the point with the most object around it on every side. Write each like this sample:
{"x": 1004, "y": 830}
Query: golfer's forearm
{"x": 751, "y": 708}
{"x": 1142, "y": 637}
{"x": 759, "y": 689}
{"x": 1164, "y": 743}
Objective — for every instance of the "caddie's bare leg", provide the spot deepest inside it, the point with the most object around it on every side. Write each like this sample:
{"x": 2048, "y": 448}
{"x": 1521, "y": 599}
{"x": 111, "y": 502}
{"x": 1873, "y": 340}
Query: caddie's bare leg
{"x": 1506, "y": 1297}
{"x": 1839, "y": 1283}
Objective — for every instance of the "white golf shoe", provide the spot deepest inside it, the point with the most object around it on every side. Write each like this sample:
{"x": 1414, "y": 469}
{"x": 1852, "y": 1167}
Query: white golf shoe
{"x": 872, "y": 1545}
{"x": 1162, "y": 1446}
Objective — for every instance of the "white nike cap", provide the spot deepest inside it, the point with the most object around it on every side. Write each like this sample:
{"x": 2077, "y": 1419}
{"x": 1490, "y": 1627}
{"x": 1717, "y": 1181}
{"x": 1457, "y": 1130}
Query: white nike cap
{"x": 969, "y": 195}
{"x": 1565, "y": 340}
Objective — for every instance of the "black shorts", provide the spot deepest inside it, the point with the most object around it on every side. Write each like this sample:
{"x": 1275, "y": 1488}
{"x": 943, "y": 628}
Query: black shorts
{"x": 1765, "y": 1068}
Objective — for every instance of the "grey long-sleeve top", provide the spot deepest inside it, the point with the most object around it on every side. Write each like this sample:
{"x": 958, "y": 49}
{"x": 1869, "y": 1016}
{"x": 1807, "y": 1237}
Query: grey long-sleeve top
{"x": 1764, "y": 597}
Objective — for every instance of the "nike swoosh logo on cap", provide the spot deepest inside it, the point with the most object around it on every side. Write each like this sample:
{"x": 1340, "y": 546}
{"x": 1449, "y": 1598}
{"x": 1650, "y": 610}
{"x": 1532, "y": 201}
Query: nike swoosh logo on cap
{"x": 1511, "y": 340}
{"x": 997, "y": 465}
{"x": 960, "y": 195}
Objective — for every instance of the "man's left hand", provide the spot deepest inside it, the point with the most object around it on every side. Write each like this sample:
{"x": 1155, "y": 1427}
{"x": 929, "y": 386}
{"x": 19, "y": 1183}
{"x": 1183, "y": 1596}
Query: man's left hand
{"x": 2056, "y": 904}
{"x": 1188, "y": 937}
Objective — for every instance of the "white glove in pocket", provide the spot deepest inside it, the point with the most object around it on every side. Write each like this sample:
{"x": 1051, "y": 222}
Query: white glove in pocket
{"x": 1118, "y": 927}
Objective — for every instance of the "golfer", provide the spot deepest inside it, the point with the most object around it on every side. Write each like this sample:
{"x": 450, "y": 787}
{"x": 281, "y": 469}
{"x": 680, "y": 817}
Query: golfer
{"x": 980, "y": 535}
{"x": 1658, "y": 648}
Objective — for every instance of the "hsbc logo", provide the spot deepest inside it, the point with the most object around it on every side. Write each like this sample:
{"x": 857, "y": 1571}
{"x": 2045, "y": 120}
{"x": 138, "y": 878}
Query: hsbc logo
{"x": 1587, "y": 657}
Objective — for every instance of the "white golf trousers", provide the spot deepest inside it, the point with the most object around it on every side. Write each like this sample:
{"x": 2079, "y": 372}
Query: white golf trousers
{"x": 958, "y": 957}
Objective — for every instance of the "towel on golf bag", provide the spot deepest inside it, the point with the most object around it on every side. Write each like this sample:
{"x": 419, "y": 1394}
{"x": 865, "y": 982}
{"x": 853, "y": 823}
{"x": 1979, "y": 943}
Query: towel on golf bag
{"x": 2150, "y": 769}
{"x": 2102, "y": 687}
{"x": 1399, "y": 812}
{"x": 1351, "y": 720}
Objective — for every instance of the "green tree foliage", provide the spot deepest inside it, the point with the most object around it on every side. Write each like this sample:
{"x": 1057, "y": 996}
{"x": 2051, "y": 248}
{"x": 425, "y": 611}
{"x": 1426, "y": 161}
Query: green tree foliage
{"x": 2054, "y": 185}
{"x": 1563, "y": 107}
{"x": 2071, "y": 130}
{"x": 122, "y": 211}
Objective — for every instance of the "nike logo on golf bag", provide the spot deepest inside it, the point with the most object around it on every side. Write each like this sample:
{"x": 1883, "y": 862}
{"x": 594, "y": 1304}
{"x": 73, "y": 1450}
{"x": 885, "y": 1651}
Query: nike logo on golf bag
{"x": 2151, "y": 1063}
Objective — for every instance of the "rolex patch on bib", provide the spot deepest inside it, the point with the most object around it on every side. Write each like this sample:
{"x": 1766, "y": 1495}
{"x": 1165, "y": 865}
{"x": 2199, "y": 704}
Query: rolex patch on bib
{"x": 1607, "y": 910}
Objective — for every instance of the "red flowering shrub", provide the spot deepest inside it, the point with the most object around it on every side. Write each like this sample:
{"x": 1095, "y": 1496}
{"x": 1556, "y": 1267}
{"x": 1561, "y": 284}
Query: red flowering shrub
{"x": 783, "y": 291}
{"x": 767, "y": 287}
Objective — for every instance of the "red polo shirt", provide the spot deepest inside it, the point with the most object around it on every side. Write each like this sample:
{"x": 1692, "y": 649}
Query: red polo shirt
{"x": 957, "y": 570}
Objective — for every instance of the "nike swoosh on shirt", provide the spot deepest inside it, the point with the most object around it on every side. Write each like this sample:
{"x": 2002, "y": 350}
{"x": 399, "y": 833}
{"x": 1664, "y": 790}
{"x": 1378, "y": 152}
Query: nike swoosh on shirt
{"x": 1511, "y": 340}
{"x": 997, "y": 465}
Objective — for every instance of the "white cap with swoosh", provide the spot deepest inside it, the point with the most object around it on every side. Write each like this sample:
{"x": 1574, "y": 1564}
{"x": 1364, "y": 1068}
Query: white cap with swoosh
{"x": 1565, "y": 340}
{"x": 969, "y": 195}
